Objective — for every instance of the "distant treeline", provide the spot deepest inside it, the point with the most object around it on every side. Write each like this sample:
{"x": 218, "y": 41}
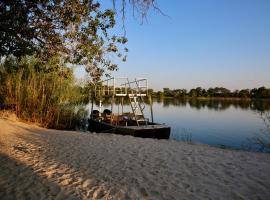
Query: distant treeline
{"x": 260, "y": 93}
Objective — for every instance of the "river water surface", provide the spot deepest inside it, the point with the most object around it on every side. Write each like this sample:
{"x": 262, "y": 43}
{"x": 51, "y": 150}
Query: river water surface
{"x": 225, "y": 123}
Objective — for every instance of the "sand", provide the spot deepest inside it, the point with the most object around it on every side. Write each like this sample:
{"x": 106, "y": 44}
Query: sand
{"x": 37, "y": 163}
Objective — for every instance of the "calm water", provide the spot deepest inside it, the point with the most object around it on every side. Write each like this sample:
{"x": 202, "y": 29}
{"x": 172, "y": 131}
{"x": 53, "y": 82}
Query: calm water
{"x": 225, "y": 123}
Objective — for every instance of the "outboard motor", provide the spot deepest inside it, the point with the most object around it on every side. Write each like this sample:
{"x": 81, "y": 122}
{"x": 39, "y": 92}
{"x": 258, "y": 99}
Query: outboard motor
{"x": 107, "y": 115}
{"x": 95, "y": 114}
{"x": 107, "y": 112}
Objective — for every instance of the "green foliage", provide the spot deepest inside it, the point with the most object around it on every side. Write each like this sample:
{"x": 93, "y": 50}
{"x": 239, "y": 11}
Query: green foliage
{"x": 76, "y": 31}
{"x": 167, "y": 92}
{"x": 261, "y": 92}
{"x": 40, "y": 93}
{"x": 257, "y": 93}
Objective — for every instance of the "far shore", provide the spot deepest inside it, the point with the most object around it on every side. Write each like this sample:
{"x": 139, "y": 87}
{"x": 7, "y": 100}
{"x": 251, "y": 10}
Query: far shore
{"x": 216, "y": 98}
{"x": 39, "y": 163}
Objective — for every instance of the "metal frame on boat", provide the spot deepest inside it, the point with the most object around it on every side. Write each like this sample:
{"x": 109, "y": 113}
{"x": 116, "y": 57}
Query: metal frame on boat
{"x": 126, "y": 123}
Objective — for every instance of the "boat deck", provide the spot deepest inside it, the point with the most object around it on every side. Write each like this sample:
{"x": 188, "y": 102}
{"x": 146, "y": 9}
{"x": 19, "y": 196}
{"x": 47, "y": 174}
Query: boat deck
{"x": 126, "y": 123}
{"x": 159, "y": 131}
{"x": 155, "y": 126}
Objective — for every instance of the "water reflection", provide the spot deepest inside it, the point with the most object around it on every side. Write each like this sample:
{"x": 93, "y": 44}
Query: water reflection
{"x": 217, "y": 104}
{"x": 212, "y": 104}
{"x": 227, "y": 123}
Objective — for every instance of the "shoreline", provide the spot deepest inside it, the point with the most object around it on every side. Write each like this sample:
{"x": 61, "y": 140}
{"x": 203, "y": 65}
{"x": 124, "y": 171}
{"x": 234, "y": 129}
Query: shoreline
{"x": 52, "y": 164}
{"x": 215, "y": 98}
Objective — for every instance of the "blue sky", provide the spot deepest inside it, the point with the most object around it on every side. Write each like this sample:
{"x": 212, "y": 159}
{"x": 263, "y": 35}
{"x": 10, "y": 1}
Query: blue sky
{"x": 204, "y": 43}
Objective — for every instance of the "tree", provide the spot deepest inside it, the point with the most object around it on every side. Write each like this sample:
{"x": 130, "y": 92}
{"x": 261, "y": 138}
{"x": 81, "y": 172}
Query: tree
{"x": 261, "y": 92}
{"x": 221, "y": 92}
{"x": 150, "y": 92}
{"x": 141, "y": 7}
{"x": 204, "y": 93}
{"x": 193, "y": 93}
{"x": 167, "y": 92}
{"x": 244, "y": 93}
{"x": 76, "y": 31}
{"x": 210, "y": 92}
{"x": 199, "y": 91}
{"x": 160, "y": 94}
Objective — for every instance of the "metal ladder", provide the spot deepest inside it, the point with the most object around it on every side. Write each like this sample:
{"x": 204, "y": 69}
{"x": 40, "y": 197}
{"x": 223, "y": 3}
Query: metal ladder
{"x": 121, "y": 88}
{"x": 137, "y": 104}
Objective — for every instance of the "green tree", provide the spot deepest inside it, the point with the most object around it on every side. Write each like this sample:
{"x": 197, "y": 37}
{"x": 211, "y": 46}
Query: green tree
{"x": 76, "y": 31}
{"x": 261, "y": 92}
{"x": 193, "y": 93}
{"x": 160, "y": 94}
{"x": 221, "y": 92}
{"x": 235, "y": 93}
{"x": 210, "y": 92}
{"x": 167, "y": 92}
{"x": 151, "y": 92}
{"x": 199, "y": 91}
{"x": 204, "y": 93}
{"x": 244, "y": 93}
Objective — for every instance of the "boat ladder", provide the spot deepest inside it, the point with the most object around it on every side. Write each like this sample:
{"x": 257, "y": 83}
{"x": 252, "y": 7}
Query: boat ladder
{"x": 137, "y": 104}
{"x": 136, "y": 91}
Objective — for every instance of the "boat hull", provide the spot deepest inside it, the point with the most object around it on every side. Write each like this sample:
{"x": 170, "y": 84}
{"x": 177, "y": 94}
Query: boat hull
{"x": 153, "y": 130}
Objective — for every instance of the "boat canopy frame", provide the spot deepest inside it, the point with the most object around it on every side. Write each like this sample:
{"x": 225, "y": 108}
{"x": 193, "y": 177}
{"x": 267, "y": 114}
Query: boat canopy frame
{"x": 122, "y": 87}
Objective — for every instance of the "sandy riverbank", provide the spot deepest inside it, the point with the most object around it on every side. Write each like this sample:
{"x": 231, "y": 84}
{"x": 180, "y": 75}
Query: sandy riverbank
{"x": 37, "y": 163}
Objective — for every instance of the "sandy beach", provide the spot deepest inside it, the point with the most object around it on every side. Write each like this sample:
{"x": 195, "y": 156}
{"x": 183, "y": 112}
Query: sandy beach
{"x": 38, "y": 163}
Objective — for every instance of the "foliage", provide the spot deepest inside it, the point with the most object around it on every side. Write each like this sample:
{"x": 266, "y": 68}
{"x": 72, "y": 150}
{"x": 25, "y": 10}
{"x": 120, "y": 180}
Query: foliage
{"x": 45, "y": 94}
{"x": 259, "y": 93}
{"x": 75, "y": 31}
{"x": 39, "y": 39}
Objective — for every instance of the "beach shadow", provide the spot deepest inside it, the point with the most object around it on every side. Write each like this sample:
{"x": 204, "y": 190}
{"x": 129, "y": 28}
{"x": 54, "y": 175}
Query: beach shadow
{"x": 46, "y": 164}
{"x": 88, "y": 172}
{"x": 19, "y": 181}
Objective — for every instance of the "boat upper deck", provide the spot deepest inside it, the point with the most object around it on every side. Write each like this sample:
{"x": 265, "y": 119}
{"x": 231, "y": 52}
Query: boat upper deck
{"x": 122, "y": 87}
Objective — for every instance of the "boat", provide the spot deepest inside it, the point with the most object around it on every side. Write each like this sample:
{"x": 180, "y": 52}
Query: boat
{"x": 133, "y": 122}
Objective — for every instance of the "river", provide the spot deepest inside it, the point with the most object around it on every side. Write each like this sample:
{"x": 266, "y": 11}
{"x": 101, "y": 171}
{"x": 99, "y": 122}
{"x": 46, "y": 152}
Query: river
{"x": 239, "y": 124}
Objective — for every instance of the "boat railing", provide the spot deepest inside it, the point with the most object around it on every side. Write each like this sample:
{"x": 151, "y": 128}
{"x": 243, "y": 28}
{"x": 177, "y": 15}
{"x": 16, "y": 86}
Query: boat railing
{"x": 121, "y": 87}
{"x": 135, "y": 90}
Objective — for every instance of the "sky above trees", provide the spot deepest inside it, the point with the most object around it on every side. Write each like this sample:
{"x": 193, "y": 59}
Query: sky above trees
{"x": 202, "y": 43}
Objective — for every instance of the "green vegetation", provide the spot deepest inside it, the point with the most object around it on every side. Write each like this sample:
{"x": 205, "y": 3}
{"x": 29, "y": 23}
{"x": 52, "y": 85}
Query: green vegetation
{"x": 262, "y": 139}
{"x": 79, "y": 32}
{"x": 46, "y": 94}
{"x": 41, "y": 40}
{"x": 219, "y": 92}
{"x": 76, "y": 31}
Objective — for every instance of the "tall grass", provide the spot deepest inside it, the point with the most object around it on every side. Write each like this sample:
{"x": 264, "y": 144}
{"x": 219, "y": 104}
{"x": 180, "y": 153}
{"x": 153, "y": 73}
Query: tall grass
{"x": 262, "y": 139}
{"x": 38, "y": 92}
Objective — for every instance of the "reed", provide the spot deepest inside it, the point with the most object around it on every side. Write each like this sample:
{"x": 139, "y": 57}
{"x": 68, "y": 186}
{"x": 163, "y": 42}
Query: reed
{"x": 38, "y": 92}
